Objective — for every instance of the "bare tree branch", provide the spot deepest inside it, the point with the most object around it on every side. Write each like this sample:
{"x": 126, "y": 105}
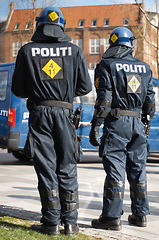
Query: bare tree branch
{"x": 149, "y": 42}
{"x": 145, "y": 14}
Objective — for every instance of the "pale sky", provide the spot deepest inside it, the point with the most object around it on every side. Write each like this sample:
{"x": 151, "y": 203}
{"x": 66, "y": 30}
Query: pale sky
{"x": 4, "y": 5}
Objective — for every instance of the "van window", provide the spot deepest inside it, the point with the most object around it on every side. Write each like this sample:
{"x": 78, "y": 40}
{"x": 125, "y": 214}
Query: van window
{"x": 90, "y": 98}
{"x": 156, "y": 89}
{"x": 3, "y": 84}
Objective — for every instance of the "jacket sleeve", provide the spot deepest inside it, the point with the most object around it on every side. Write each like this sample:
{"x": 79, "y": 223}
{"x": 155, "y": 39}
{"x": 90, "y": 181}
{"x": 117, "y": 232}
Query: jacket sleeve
{"x": 19, "y": 79}
{"x": 149, "y": 104}
{"x": 103, "y": 85}
{"x": 84, "y": 84}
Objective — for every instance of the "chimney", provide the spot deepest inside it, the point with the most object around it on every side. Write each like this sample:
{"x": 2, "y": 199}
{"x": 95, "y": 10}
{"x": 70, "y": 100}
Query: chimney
{"x": 11, "y": 6}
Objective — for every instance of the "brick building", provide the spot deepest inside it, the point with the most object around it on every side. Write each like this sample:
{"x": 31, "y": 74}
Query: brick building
{"x": 88, "y": 26}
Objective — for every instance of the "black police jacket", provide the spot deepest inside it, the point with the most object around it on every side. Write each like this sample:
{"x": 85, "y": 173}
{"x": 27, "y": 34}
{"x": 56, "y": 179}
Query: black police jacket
{"x": 125, "y": 83}
{"x": 51, "y": 71}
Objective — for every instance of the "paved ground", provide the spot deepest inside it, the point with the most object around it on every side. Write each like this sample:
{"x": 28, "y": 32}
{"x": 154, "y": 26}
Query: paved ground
{"x": 19, "y": 197}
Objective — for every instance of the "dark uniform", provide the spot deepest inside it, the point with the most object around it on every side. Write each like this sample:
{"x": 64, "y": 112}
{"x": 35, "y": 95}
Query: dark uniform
{"x": 124, "y": 88}
{"x": 50, "y": 72}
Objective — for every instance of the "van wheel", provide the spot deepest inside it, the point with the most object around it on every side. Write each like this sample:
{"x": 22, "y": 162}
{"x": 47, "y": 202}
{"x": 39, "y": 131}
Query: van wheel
{"x": 20, "y": 156}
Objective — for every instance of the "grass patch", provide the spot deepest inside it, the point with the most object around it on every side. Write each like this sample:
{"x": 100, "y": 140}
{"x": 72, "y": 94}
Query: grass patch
{"x": 12, "y": 228}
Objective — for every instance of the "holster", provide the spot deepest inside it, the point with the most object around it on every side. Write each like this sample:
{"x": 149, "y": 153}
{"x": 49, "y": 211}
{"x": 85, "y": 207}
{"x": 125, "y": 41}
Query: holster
{"x": 30, "y": 104}
{"x": 77, "y": 116}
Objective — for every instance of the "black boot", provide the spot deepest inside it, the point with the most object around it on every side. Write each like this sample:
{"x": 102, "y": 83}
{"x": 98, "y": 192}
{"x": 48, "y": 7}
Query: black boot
{"x": 50, "y": 230}
{"x": 140, "y": 221}
{"x": 107, "y": 223}
{"x": 71, "y": 229}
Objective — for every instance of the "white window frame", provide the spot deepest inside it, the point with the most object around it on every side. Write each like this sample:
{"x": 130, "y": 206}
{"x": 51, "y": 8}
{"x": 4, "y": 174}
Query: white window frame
{"x": 106, "y": 44}
{"x": 78, "y": 42}
{"x": 27, "y": 26}
{"x": 94, "y": 23}
{"x": 16, "y": 46}
{"x": 81, "y": 23}
{"x": 94, "y": 45}
{"x": 105, "y": 22}
{"x": 125, "y": 21}
{"x": 17, "y": 25}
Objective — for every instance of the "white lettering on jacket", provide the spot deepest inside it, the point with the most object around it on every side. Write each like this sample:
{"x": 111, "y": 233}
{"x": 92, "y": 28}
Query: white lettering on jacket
{"x": 131, "y": 68}
{"x": 52, "y": 52}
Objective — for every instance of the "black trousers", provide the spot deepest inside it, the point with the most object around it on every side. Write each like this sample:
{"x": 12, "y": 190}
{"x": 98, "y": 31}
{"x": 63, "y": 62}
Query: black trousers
{"x": 124, "y": 151}
{"x": 53, "y": 142}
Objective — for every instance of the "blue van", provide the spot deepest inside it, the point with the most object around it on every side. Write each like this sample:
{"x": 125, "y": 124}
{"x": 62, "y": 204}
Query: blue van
{"x": 13, "y": 115}
{"x": 87, "y": 103}
{"x": 153, "y": 139}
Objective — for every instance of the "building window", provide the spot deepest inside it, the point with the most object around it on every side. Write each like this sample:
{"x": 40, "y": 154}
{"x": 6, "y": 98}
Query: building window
{"x": 16, "y": 47}
{"x": 106, "y": 22}
{"x": 27, "y": 26}
{"x": 125, "y": 21}
{"x": 106, "y": 44}
{"x": 154, "y": 21}
{"x": 95, "y": 46}
{"x": 78, "y": 42}
{"x": 92, "y": 65}
{"x": 17, "y": 25}
{"x": 94, "y": 23}
{"x": 81, "y": 23}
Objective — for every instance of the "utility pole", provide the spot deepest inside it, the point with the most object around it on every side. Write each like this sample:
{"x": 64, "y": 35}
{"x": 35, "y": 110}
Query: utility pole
{"x": 34, "y": 15}
{"x": 157, "y": 50}
{"x": 155, "y": 26}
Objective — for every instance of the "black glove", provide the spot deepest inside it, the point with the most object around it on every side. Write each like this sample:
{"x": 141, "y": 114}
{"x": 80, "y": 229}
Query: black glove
{"x": 93, "y": 136}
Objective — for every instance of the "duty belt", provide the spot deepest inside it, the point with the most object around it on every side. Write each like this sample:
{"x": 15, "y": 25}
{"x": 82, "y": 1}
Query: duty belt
{"x": 55, "y": 104}
{"x": 117, "y": 112}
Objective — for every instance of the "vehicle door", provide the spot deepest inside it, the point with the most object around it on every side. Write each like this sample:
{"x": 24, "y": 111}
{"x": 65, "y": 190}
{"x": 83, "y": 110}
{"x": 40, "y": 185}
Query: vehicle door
{"x": 87, "y": 103}
{"x": 5, "y": 99}
{"x": 153, "y": 139}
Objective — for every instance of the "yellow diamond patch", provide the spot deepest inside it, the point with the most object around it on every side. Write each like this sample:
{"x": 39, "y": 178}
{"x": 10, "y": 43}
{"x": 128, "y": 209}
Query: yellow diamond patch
{"x": 53, "y": 16}
{"x": 134, "y": 84}
{"x": 114, "y": 38}
{"x": 51, "y": 68}
{"x": 97, "y": 83}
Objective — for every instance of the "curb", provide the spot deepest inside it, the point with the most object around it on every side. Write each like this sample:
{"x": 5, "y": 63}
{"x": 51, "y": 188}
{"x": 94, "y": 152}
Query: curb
{"x": 96, "y": 233}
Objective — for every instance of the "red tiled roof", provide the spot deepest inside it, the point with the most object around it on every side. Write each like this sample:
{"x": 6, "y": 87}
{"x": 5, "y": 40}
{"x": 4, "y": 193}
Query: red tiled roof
{"x": 72, "y": 15}
{"x": 115, "y": 13}
{"x": 22, "y": 16}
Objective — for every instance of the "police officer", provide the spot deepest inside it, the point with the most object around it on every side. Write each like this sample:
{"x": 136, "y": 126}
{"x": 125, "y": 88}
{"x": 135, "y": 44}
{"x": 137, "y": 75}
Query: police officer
{"x": 124, "y": 88}
{"x": 50, "y": 71}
